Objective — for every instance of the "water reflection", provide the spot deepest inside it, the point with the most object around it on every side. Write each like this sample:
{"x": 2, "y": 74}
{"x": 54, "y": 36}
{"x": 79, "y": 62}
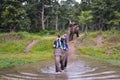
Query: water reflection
{"x": 80, "y": 69}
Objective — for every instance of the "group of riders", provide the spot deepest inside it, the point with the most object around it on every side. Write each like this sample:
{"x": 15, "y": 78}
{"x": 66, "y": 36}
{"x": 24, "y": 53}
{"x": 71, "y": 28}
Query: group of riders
{"x": 61, "y": 52}
{"x": 61, "y": 48}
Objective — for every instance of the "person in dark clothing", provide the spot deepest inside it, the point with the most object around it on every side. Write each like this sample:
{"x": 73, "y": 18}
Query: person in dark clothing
{"x": 57, "y": 53}
{"x": 74, "y": 29}
{"x": 60, "y": 53}
{"x": 65, "y": 50}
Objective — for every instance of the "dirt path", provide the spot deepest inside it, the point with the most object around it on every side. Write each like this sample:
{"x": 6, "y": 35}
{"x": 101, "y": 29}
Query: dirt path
{"x": 30, "y": 45}
{"x": 73, "y": 48}
{"x": 99, "y": 41}
{"x": 81, "y": 69}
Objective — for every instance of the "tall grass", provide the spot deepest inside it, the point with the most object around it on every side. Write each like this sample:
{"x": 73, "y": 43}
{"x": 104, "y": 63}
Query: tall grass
{"x": 110, "y": 49}
{"x": 12, "y": 46}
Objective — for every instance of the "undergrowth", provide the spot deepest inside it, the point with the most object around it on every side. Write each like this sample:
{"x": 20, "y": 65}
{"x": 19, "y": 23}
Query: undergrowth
{"x": 12, "y": 46}
{"x": 109, "y": 50}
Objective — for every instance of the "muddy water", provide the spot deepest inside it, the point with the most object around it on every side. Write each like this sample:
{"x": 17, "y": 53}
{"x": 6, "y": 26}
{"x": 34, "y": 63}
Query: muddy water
{"x": 81, "y": 68}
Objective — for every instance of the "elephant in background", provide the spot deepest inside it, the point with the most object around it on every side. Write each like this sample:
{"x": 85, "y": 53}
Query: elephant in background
{"x": 74, "y": 29}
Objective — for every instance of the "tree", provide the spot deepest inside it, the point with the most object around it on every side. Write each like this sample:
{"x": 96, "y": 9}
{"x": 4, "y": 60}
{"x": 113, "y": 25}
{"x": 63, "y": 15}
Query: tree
{"x": 116, "y": 20}
{"x": 56, "y": 12}
{"x": 74, "y": 12}
{"x": 11, "y": 15}
{"x": 103, "y": 11}
{"x": 43, "y": 19}
{"x": 85, "y": 19}
{"x": 70, "y": 7}
{"x": 33, "y": 12}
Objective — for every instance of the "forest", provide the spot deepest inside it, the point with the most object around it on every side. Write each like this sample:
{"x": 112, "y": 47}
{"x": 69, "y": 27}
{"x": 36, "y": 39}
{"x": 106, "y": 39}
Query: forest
{"x": 41, "y": 15}
{"x": 29, "y": 29}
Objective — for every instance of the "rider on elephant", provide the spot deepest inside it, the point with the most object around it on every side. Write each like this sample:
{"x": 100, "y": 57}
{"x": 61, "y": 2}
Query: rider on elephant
{"x": 74, "y": 29}
{"x": 65, "y": 50}
{"x": 60, "y": 54}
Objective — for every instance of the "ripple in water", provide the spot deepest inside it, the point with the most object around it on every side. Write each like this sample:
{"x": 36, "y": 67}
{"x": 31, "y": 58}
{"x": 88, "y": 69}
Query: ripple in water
{"x": 77, "y": 70}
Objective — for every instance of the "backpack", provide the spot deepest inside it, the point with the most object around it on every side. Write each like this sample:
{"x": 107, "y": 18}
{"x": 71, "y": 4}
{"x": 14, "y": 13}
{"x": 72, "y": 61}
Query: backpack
{"x": 64, "y": 44}
{"x": 58, "y": 44}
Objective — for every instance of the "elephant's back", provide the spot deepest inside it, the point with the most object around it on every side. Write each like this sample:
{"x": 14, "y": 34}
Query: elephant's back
{"x": 57, "y": 51}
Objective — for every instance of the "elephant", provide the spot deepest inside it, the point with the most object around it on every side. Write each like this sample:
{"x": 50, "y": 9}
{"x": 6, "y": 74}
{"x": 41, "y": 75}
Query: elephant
{"x": 61, "y": 57}
{"x": 64, "y": 59}
{"x": 74, "y": 29}
{"x": 60, "y": 54}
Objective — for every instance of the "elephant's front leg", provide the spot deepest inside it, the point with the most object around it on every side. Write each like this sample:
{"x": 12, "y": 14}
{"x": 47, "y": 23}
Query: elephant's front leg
{"x": 77, "y": 34}
{"x": 64, "y": 60}
{"x": 57, "y": 63}
{"x": 71, "y": 36}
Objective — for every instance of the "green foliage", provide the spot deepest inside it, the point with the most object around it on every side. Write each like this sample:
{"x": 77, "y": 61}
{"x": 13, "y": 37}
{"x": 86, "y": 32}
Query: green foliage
{"x": 51, "y": 32}
{"x": 12, "y": 15}
{"x": 5, "y": 63}
{"x": 92, "y": 35}
{"x": 105, "y": 13}
{"x": 108, "y": 51}
{"x": 25, "y": 15}
{"x": 11, "y": 60}
{"x": 85, "y": 18}
{"x": 13, "y": 45}
{"x": 8, "y": 15}
{"x": 44, "y": 45}
{"x": 16, "y": 42}
{"x": 47, "y": 32}
{"x": 93, "y": 52}
{"x": 116, "y": 20}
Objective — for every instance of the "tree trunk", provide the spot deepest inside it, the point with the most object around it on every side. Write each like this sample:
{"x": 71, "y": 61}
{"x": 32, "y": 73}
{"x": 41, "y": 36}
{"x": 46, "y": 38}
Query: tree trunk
{"x": 99, "y": 27}
{"x": 86, "y": 29}
{"x": 82, "y": 27}
{"x": 47, "y": 23}
{"x": 42, "y": 19}
{"x": 63, "y": 26}
{"x": 36, "y": 24}
{"x": 56, "y": 25}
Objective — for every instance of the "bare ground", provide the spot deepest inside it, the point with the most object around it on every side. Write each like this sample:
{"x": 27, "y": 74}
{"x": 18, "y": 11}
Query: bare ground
{"x": 73, "y": 48}
{"x": 30, "y": 45}
{"x": 99, "y": 41}
{"x": 77, "y": 42}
